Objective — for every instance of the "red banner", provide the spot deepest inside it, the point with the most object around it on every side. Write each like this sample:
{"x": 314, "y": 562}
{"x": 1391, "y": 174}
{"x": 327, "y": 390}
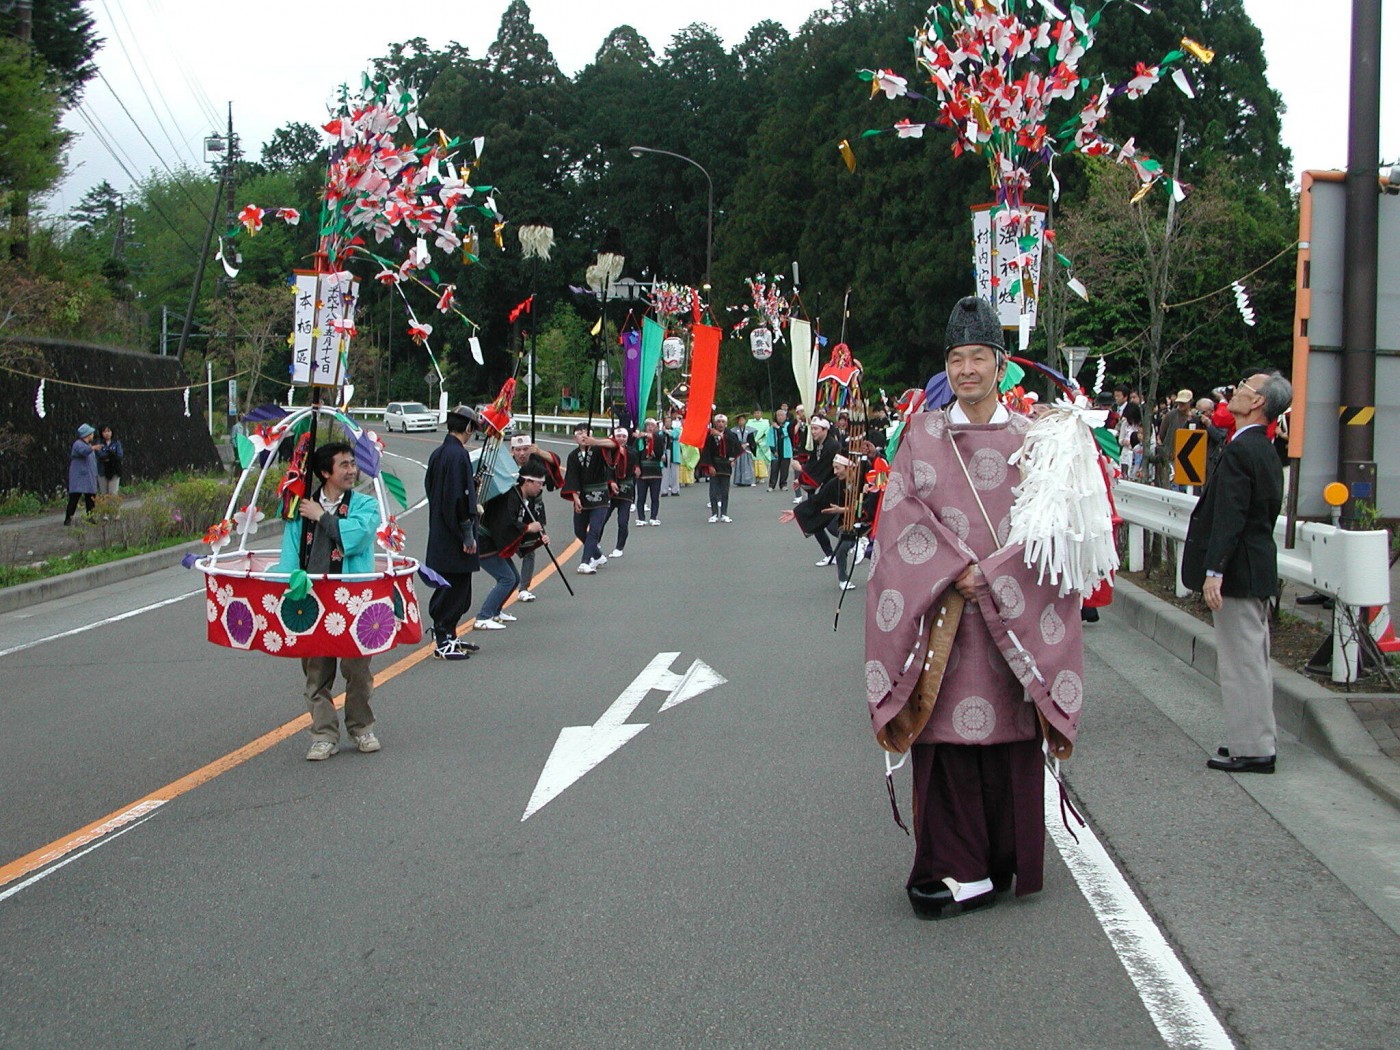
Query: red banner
{"x": 704, "y": 369}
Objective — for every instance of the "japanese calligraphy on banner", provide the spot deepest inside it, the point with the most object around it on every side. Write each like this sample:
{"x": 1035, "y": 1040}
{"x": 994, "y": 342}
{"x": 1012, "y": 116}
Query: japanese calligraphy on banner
{"x": 1006, "y": 259}
{"x": 324, "y": 325}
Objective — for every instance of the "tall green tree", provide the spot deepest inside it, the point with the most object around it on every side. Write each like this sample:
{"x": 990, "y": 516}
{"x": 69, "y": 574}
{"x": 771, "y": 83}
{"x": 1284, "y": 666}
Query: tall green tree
{"x": 31, "y": 142}
{"x": 63, "y": 38}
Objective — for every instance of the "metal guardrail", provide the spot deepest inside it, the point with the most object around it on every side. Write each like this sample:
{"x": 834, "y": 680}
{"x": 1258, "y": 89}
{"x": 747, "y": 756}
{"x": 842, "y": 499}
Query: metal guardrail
{"x": 1351, "y": 567}
{"x": 563, "y": 424}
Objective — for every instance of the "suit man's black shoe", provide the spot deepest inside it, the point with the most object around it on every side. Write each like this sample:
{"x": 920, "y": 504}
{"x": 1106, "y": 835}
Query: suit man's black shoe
{"x": 1243, "y": 764}
{"x": 936, "y": 901}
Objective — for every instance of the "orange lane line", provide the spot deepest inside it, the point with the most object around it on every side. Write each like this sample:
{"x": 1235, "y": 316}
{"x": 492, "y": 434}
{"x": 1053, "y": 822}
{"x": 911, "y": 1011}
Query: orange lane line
{"x": 38, "y": 858}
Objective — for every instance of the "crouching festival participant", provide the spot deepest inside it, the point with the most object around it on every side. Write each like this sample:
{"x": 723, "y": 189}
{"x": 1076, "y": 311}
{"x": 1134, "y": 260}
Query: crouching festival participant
{"x": 974, "y": 661}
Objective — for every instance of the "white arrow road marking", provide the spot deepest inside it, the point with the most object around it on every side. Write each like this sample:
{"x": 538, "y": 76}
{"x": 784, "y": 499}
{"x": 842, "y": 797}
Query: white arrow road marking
{"x": 580, "y": 748}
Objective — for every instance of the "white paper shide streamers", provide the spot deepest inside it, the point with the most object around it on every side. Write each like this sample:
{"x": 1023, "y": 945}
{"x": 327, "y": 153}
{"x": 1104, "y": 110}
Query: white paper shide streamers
{"x": 1062, "y": 513}
{"x": 39, "y": 408}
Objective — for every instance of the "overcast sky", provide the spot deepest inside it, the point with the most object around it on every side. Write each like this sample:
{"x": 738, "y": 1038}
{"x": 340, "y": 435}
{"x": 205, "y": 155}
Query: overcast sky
{"x": 171, "y": 67}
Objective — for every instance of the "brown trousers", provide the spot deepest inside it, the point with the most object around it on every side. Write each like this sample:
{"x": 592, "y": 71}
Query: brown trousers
{"x": 320, "y": 681}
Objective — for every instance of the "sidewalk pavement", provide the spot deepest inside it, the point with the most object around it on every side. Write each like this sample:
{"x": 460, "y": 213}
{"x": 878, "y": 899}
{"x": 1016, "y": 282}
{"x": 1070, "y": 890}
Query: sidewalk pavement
{"x": 1354, "y": 731}
{"x": 35, "y": 539}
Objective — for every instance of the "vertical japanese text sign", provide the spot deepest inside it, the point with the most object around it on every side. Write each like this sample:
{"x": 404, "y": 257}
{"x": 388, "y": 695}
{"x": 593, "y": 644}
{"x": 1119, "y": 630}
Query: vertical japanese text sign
{"x": 1006, "y": 249}
{"x": 325, "y": 322}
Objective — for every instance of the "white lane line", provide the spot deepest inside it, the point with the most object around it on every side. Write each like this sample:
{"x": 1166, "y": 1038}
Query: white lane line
{"x": 113, "y": 829}
{"x": 1183, "y": 1017}
{"x": 101, "y": 623}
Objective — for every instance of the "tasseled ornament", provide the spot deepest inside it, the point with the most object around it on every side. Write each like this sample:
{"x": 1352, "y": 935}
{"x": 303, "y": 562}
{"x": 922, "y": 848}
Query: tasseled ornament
{"x": 1062, "y": 513}
{"x": 536, "y": 241}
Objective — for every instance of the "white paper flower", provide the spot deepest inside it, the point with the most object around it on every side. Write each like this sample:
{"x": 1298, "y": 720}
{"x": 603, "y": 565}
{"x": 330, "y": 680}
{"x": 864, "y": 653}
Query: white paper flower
{"x": 211, "y": 609}
{"x": 342, "y": 595}
{"x": 272, "y": 642}
{"x": 334, "y": 624}
{"x": 269, "y": 603}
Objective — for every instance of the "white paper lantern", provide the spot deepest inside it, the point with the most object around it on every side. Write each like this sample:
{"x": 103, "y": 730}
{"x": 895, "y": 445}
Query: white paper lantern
{"x": 761, "y": 343}
{"x": 672, "y": 351}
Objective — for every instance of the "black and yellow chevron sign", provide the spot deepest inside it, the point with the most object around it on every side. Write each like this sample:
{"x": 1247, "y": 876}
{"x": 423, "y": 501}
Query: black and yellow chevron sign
{"x": 1190, "y": 457}
{"x": 1356, "y": 415}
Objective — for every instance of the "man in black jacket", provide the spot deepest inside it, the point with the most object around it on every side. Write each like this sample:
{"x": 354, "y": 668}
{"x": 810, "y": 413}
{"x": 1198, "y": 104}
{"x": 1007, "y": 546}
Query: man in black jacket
{"x": 452, "y": 514}
{"x": 1231, "y": 558}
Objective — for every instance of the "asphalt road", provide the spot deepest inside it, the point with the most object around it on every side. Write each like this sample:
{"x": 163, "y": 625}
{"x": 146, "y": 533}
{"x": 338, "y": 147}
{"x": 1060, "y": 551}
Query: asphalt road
{"x": 728, "y": 875}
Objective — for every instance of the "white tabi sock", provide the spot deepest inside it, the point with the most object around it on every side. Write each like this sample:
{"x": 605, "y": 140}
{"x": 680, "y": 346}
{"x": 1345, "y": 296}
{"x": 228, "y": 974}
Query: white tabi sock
{"x": 964, "y": 890}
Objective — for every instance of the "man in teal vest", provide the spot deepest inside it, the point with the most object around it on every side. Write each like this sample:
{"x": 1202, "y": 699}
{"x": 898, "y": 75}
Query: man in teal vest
{"x": 334, "y": 532}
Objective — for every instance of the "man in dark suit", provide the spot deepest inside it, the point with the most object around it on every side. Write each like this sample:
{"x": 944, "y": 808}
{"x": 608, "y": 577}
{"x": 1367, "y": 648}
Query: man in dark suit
{"x": 1231, "y": 558}
{"x": 452, "y": 521}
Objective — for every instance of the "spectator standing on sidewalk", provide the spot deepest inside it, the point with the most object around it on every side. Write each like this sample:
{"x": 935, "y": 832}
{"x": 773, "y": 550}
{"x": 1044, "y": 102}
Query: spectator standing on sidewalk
{"x": 82, "y": 473}
{"x": 1230, "y": 556}
{"x": 779, "y": 450}
{"x": 109, "y": 462}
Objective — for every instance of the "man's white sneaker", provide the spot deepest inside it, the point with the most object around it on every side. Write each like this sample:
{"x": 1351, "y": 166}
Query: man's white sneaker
{"x": 848, "y": 585}
{"x": 641, "y": 524}
{"x": 321, "y": 750}
{"x": 367, "y": 741}
{"x": 653, "y": 522}
{"x": 714, "y": 518}
{"x": 862, "y": 549}
{"x": 527, "y": 596}
{"x": 506, "y": 617}
{"x": 617, "y": 553}
{"x": 489, "y": 625}
{"x": 599, "y": 562}
{"x": 726, "y": 518}
{"x": 825, "y": 561}
{"x": 586, "y": 569}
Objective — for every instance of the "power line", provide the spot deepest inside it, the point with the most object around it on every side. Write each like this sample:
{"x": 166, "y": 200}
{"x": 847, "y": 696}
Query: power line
{"x": 197, "y": 91}
{"x": 141, "y": 82}
{"x": 102, "y": 139}
{"x": 140, "y": 131}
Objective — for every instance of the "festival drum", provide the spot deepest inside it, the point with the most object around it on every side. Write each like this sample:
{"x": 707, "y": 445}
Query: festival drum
{"x": 250, "y": 604}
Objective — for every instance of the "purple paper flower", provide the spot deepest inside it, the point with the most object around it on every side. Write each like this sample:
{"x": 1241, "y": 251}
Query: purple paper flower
{"x": 238, "y": 621}
{"x": 375, "y": 627}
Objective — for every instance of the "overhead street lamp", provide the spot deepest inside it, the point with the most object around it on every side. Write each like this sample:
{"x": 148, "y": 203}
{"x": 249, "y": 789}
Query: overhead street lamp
{"x": 637, "y": 151}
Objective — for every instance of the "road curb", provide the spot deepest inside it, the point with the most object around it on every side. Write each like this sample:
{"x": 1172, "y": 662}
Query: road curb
{"x": 1320, "y": 718}
{"x": 23, "y": 595}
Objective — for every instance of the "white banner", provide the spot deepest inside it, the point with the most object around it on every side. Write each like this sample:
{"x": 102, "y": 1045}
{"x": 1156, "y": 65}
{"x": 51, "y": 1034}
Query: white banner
{"x": 303, "y": 325}
{"x": 325, "y": 319}
{"x": 1008, "y": 248}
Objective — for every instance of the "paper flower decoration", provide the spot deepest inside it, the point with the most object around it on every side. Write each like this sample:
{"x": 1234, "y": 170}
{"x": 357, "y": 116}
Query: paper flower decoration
{"x": 217, "y": 536}
{"x": 251, "y": 218}
{"x": 419, "y": 332}
{"x": 391, "y": 537}
{"x": 248, "y": 519}
{"x": 995, "y": 72}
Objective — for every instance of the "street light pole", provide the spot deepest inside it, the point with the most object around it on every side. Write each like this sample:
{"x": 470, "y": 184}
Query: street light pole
{"x": 637, "y": 151}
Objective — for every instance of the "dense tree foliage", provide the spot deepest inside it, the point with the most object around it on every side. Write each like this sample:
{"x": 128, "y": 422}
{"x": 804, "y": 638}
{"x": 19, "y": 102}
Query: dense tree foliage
{"x": 763, "y": 120}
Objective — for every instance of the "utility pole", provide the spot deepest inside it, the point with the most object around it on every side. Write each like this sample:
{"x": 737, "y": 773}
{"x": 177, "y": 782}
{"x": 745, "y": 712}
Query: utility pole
{"x": 1356, "y": 420}
{"x": 226, "y": 177}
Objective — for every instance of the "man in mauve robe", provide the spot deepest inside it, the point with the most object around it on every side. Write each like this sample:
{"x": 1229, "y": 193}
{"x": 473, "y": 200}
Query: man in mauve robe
{"x": 1016, "y": 663}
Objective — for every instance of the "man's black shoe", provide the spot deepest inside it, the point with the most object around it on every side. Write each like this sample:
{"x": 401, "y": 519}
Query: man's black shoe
{"x": 1316, "y": 598}
{"x": 936, "y": 901}
{"x": 1243, "y": 764}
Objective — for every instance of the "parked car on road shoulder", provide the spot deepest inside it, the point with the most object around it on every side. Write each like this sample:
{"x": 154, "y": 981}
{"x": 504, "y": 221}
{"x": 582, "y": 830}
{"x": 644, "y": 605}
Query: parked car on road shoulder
{"x": 409, "y": 415}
